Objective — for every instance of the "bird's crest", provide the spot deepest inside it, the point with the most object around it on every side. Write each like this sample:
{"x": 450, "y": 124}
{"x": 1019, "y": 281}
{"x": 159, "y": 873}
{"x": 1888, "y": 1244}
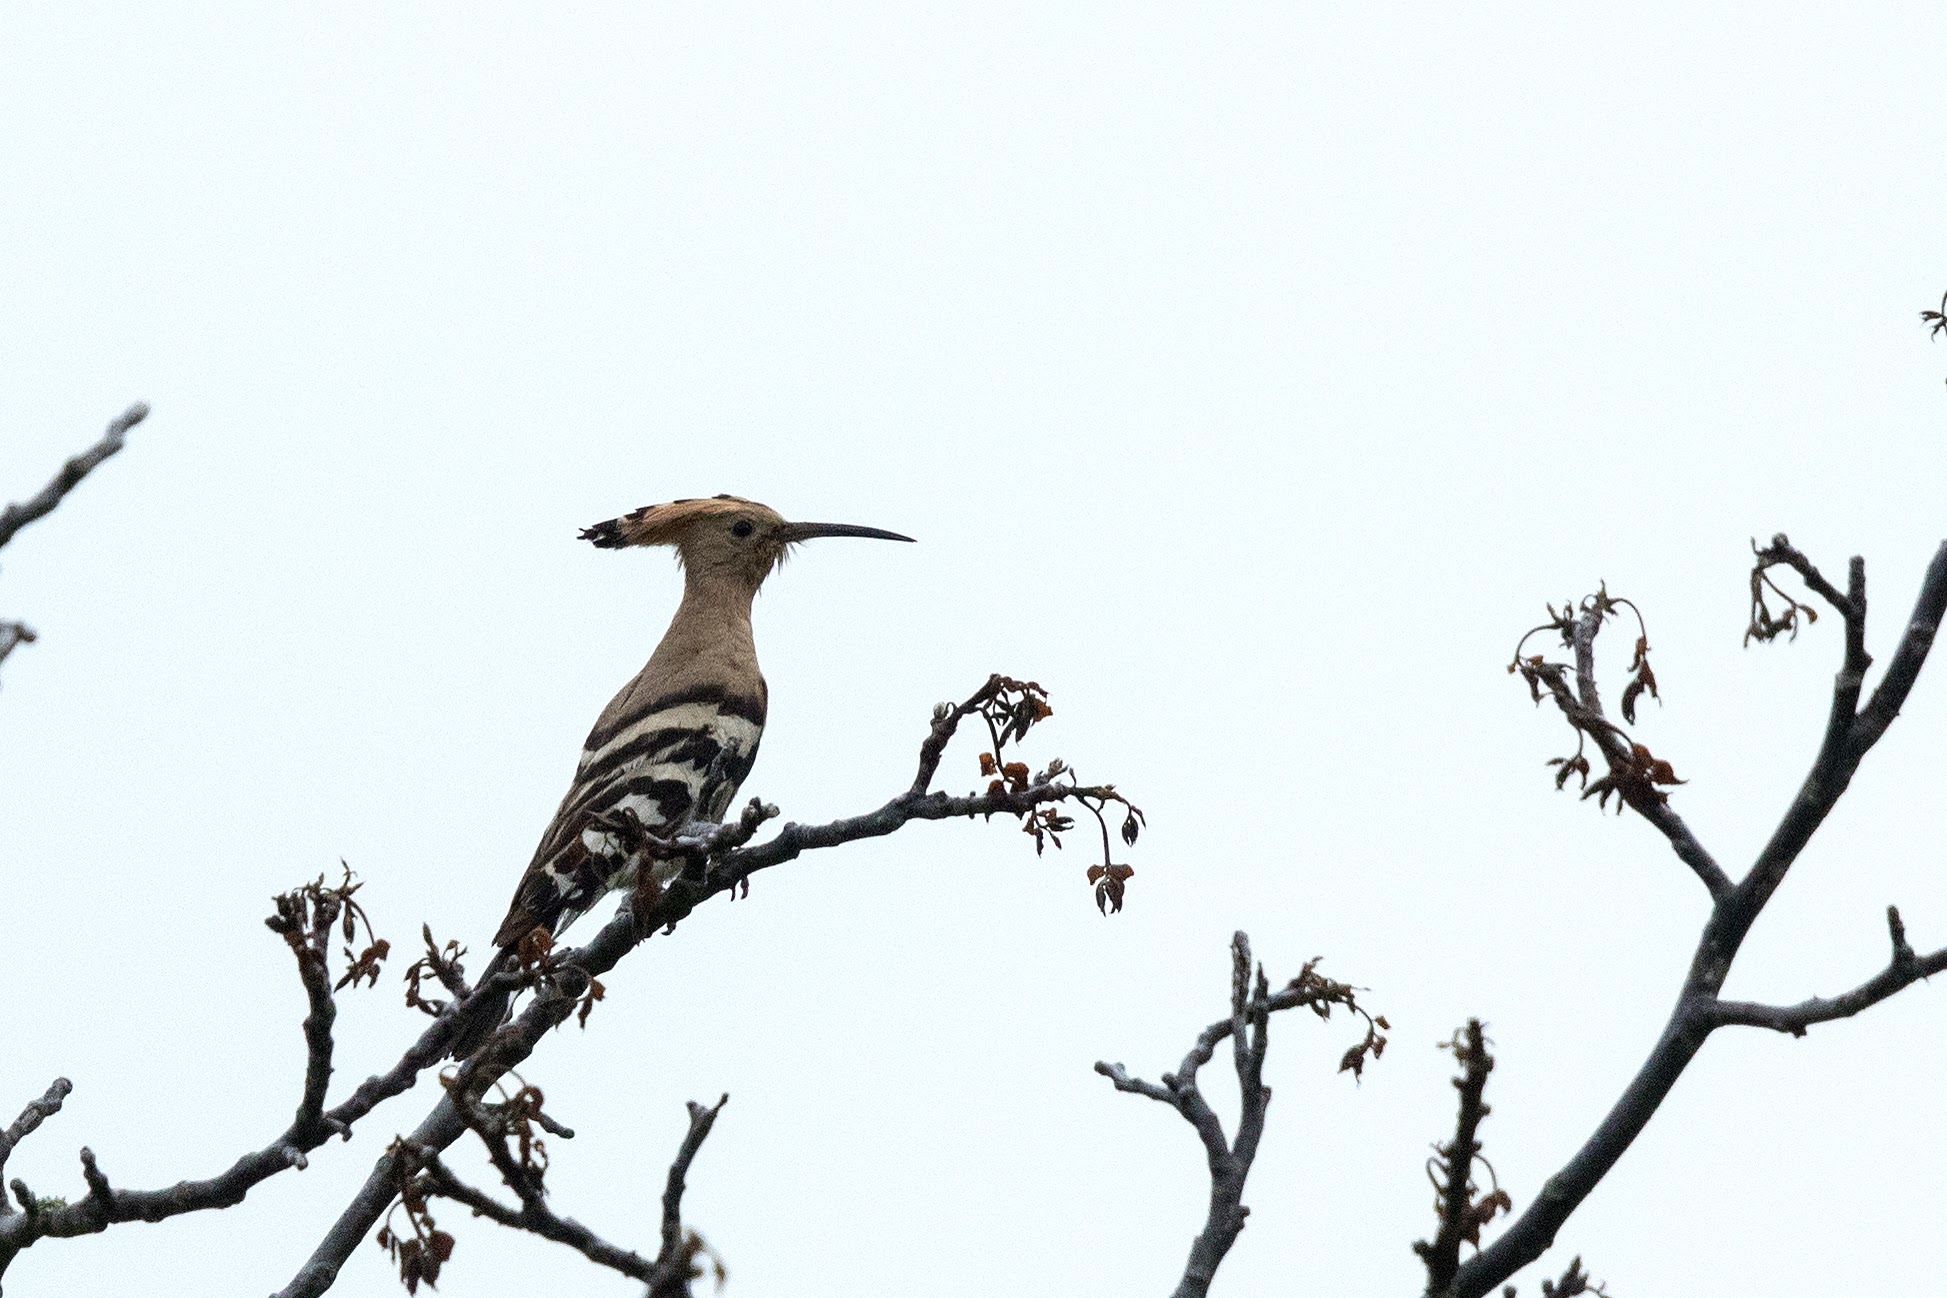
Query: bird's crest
{"x": 665, "y": 524}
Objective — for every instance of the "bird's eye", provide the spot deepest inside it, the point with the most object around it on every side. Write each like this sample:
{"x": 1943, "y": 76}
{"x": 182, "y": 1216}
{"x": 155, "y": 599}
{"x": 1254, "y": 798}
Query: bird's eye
{"x": 742, "y": 528}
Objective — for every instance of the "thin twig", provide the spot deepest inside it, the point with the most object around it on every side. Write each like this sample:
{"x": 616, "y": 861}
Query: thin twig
{"x": 1452, "y": 1166}
{"x": 676, "y": 1260}
{"x": 1903, "y": 970}
{"x": 534, "y": 1217}
{"x": 17, "y": 516}
{"x": 36, "y": 1112}
{"x": 13, "y": 635}
{"x": 42, "y": 503}
{"x": 314, "y": 971}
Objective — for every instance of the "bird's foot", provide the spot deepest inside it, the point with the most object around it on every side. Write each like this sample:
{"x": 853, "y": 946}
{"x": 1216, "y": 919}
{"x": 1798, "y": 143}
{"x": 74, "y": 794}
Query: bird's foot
{"x": 625, "y": 825}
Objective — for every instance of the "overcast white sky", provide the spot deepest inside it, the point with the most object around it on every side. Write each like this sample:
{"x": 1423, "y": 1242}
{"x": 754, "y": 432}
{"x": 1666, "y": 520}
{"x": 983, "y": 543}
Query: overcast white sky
{"x": 1250, "y": 374}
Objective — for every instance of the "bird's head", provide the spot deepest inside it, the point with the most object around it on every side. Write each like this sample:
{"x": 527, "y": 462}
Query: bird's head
{"x": 724, "y": 538}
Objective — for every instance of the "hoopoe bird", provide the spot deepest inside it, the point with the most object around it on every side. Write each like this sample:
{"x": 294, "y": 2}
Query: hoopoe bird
{"x": 676, "y": 743}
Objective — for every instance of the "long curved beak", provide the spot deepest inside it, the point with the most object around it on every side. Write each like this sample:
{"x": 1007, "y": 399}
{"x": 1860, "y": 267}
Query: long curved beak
{"x": 794, "y": 532}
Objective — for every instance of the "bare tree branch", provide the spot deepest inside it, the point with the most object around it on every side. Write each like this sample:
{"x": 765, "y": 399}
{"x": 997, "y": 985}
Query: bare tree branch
{"x": 422, "y": 1254}
{"x": 41, "y": 504}
{"x": 1462, "y": 1210}
{"x": 1904, "y": 667}
{"x": 13, "y": 635}
{"x": 1248, "y": 1029}
{"x": 1850, "y": 733}
{"x": 536, "y": 1218}
{"x": 1905, "y": 969}
{"x": 306, "y": 918}
{"x": 20, "y": 1230}
{"x": 676, "y": 1261}
{"x": 719, "y": 861}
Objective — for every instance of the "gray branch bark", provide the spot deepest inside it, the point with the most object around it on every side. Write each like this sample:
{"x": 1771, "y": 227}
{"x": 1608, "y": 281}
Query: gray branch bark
{"x": 667, "y": 1275}
{"x": 13, "y": 635}
{"x": 42, "y": 503}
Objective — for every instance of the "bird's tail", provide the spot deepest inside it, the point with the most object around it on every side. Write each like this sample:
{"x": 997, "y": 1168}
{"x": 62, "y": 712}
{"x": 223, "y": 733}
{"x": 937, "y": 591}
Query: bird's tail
{"x": 480, "y": 1018}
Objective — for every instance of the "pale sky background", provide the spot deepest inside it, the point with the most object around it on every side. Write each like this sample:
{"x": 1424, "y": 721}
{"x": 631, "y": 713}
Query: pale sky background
{"x": 1251, "y": 376}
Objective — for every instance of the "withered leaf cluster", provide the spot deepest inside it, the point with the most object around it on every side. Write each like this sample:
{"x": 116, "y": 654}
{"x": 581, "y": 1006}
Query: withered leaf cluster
{"x": 305, "y": 916}
{"x": 1633, "y": 780}
{"x": 1483, "y": 1210}
{"x": 515, "y": 1119}
{"x": 442, "y": 964}
{"x": 537, "y": 964}
{"x": 693, "y": 1252}
{"x": 1010, "y": 708}
{"x": 511, "y": 1130}
{"x": 422, "y": 1248}
{"x": 1644, "y": 679}
{"x": 1574, "y": 1281}
{"x": 595, "y": 991}
{"x": 1319, "y": 994}
{"x": 1635, "y": 776}
{"x": 536, "y": 952}
{"x": 1765, "y": 625}
{"x": 1109, "y": 881}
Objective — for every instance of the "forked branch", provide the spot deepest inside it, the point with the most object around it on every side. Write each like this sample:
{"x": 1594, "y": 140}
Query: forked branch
{"x": 1902, "y": 971}
{"x": 1248, "y": 1029}
{"x": 1851, "y": 731}
{"x": 421, "y": 1249}
{"x": 307, "y": 919}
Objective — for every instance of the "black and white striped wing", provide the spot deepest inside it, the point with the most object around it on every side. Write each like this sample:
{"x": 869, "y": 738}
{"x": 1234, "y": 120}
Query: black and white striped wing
{"x": 677, "y": 760}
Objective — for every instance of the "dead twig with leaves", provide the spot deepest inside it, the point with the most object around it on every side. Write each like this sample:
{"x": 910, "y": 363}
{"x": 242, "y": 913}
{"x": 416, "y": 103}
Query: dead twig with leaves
{"x": 1936, "y": 321}
{"x": 1458, "y": 1200}
{"x": 1248, "y": 1029}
